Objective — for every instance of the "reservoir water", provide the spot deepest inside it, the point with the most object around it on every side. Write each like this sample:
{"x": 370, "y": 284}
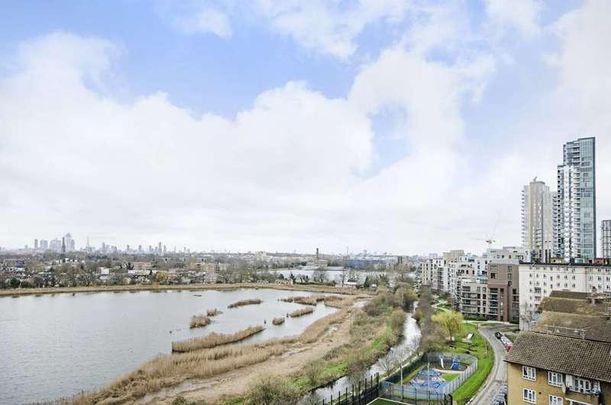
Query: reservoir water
{"x": 55, "y": 346}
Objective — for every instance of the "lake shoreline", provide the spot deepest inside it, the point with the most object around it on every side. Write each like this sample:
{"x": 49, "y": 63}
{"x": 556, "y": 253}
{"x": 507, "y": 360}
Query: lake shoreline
{"x": 176, "y": 287}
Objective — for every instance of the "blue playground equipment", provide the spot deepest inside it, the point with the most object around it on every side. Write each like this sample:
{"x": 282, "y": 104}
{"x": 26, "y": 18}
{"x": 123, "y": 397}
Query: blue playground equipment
{"x": 455, "y": 364}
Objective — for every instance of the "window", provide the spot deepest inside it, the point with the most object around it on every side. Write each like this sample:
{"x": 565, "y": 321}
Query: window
{"x": 529, "y": 396}
{"x": 582, "y": 385}
{"x": 554, "y": 379}
{"x": 573, "y": 402}
{"x": 554, "y": 400}
{"x": 529, "y": 373}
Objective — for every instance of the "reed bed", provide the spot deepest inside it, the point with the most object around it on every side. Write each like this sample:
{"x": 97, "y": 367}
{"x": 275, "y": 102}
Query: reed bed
{"x": 214, "y": 340}
{"x": 309, "y": 300}
{"x": 199, "y": 321}
{"x": 315, "y": 299}
{"x": 168, "y": 371}
{"x": 244, "y": 303}
{"x": 213, "y": 312}
{"x": 279, "y": 320}
{"x": 301, "y": 312}
{"x": 171, "y": 370}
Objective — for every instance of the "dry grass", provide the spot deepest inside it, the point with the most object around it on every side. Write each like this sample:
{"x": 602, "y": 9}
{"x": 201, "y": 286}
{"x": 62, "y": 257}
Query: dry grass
{"x": 244, "y": 303}
{"x": 314, "y": 299}
{"x": 301, "y": 312}
{"x": 199, "y": 321}
{"x": 278, "y": 321}
{"x": 171, "y": 370}
{"x": 213, "y": 312}
{"x": 309, "y": 300}
{"x": 214, "y": 340}
{"x": 168, "y": 371}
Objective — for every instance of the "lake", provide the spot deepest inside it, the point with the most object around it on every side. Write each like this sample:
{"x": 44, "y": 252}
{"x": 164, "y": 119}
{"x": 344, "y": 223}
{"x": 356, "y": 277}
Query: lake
{"x": 54, "y": 346}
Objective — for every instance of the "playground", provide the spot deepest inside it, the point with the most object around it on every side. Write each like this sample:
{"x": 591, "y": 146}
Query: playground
{"x": 433, "y": 376}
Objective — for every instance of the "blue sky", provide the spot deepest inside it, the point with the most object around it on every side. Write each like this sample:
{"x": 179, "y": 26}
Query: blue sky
{"x": 352, "y": 118}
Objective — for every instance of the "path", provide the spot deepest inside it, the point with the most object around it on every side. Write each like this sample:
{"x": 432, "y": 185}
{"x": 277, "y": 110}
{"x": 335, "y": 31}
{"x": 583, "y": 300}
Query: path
{"x": 498, "y": 375}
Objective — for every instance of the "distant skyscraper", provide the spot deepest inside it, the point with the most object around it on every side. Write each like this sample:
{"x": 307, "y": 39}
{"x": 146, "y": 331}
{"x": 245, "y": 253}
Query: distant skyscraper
{"x": 576, "y": 204}
{"x": 69, "y": 243}
{"x": 35, "y": 244}
{"x": 537, "y": 220}
{"x": 605, "y": 238}
{"x": 56, "y": 245}
{"x": 44, "y": 244}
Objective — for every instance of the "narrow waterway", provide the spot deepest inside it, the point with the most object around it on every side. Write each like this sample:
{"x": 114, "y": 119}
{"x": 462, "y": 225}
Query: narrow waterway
{"x": 404, "y": 349}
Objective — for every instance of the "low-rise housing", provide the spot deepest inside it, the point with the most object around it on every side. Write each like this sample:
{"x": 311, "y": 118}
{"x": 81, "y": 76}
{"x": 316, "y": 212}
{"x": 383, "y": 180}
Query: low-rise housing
{"x": 566, "y": 357}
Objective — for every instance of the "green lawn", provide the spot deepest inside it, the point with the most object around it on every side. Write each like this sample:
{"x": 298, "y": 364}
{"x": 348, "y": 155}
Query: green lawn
{"x": 450, "y": 376}
{"x": 479, "y": 348}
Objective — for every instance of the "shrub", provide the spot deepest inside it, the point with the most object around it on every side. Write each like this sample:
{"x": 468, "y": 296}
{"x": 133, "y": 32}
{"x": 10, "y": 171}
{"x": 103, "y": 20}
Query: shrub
{"x": 199, "y": 321}
{"x": 213, "y": 312}
{"x": 272, "y": 390}
{"x": 313, "y": 371}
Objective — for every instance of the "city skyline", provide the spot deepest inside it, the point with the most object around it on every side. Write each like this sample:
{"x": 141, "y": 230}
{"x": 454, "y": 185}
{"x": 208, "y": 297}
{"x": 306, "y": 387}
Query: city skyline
{"x": 388, "y": 126}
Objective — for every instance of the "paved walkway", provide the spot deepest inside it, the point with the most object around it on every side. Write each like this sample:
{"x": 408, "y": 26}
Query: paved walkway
{"x": 498, "y": 375}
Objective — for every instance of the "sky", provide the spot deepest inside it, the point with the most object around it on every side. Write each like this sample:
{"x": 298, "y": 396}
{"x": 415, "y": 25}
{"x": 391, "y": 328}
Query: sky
{"x": 399, "y": 126}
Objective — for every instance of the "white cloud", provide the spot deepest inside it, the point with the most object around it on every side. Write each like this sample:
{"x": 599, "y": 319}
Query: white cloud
{"x": 521, "y": 15}
{"x": 329, "y": 27}
{"x": 208, "y": 20}
{"x": 291, "y": 171}
{"x": 326, "y": 27}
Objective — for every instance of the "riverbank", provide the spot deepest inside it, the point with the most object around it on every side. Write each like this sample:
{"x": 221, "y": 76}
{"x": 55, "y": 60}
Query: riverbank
{"x": 344, "y": 342}
{"x": 175, "y": 287}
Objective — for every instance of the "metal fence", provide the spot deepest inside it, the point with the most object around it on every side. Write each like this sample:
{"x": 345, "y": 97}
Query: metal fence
{"x": 414, "y": 396}
{"x": 360, "y": 394}
{"x": 431, "y": 393}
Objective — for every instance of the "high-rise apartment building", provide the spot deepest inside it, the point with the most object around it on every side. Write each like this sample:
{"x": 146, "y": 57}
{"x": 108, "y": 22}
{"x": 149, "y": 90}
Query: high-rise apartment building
{"x": 538, "y": 220}
{"x": 605, "y": 238}
{"x": 576, "y": 202}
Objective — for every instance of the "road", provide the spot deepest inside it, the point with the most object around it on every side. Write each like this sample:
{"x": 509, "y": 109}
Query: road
{"x": 498, "y": 375}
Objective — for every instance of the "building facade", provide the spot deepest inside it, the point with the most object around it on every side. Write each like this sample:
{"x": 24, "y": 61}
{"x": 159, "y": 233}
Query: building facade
{"x": 503, "y": 292}
{"x": 537, "y": 281}
{"x": 538, "y": 220}
{"x": 547, "y": 369}
{"x": 576, "y": 202}
{"x": 605, "y": 239}
{"x": 564, "y": 359}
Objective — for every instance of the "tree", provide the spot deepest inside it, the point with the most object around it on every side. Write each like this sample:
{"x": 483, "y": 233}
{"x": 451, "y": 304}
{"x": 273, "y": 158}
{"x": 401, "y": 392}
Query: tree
{"x": 161, "y": 277}
{"x": 450, "y": 321}
{"x": 405, "y": 297}
{"x": 319, "y": 275}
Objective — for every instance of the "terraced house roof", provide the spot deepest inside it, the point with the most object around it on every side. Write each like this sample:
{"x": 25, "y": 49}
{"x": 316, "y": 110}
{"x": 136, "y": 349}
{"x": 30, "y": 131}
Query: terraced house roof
{"x": 562, "y": 354}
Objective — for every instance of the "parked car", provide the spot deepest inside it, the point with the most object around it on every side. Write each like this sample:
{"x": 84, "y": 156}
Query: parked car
{"x": 498, "y": 334}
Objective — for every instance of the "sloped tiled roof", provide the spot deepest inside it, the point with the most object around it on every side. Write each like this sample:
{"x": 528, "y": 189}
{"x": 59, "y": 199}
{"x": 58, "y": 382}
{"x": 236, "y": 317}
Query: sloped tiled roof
{"x": 596, "y": 328}
{"x": 568, "y": 355}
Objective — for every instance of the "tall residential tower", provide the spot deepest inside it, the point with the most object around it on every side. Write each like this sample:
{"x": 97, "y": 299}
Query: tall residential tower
{"x": 576, "y": 202}
{"x": 538, "y": 220}
{"x": 605, "y": 238}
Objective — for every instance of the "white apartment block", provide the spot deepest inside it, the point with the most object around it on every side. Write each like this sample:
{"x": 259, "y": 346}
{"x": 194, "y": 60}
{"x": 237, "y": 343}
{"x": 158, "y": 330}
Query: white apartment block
{"x": 431, "y": 273}
{"x": 537, "y": 281}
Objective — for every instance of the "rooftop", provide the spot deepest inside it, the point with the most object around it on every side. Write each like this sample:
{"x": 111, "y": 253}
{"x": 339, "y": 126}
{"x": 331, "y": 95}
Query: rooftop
{"x": 568, "y": 355}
